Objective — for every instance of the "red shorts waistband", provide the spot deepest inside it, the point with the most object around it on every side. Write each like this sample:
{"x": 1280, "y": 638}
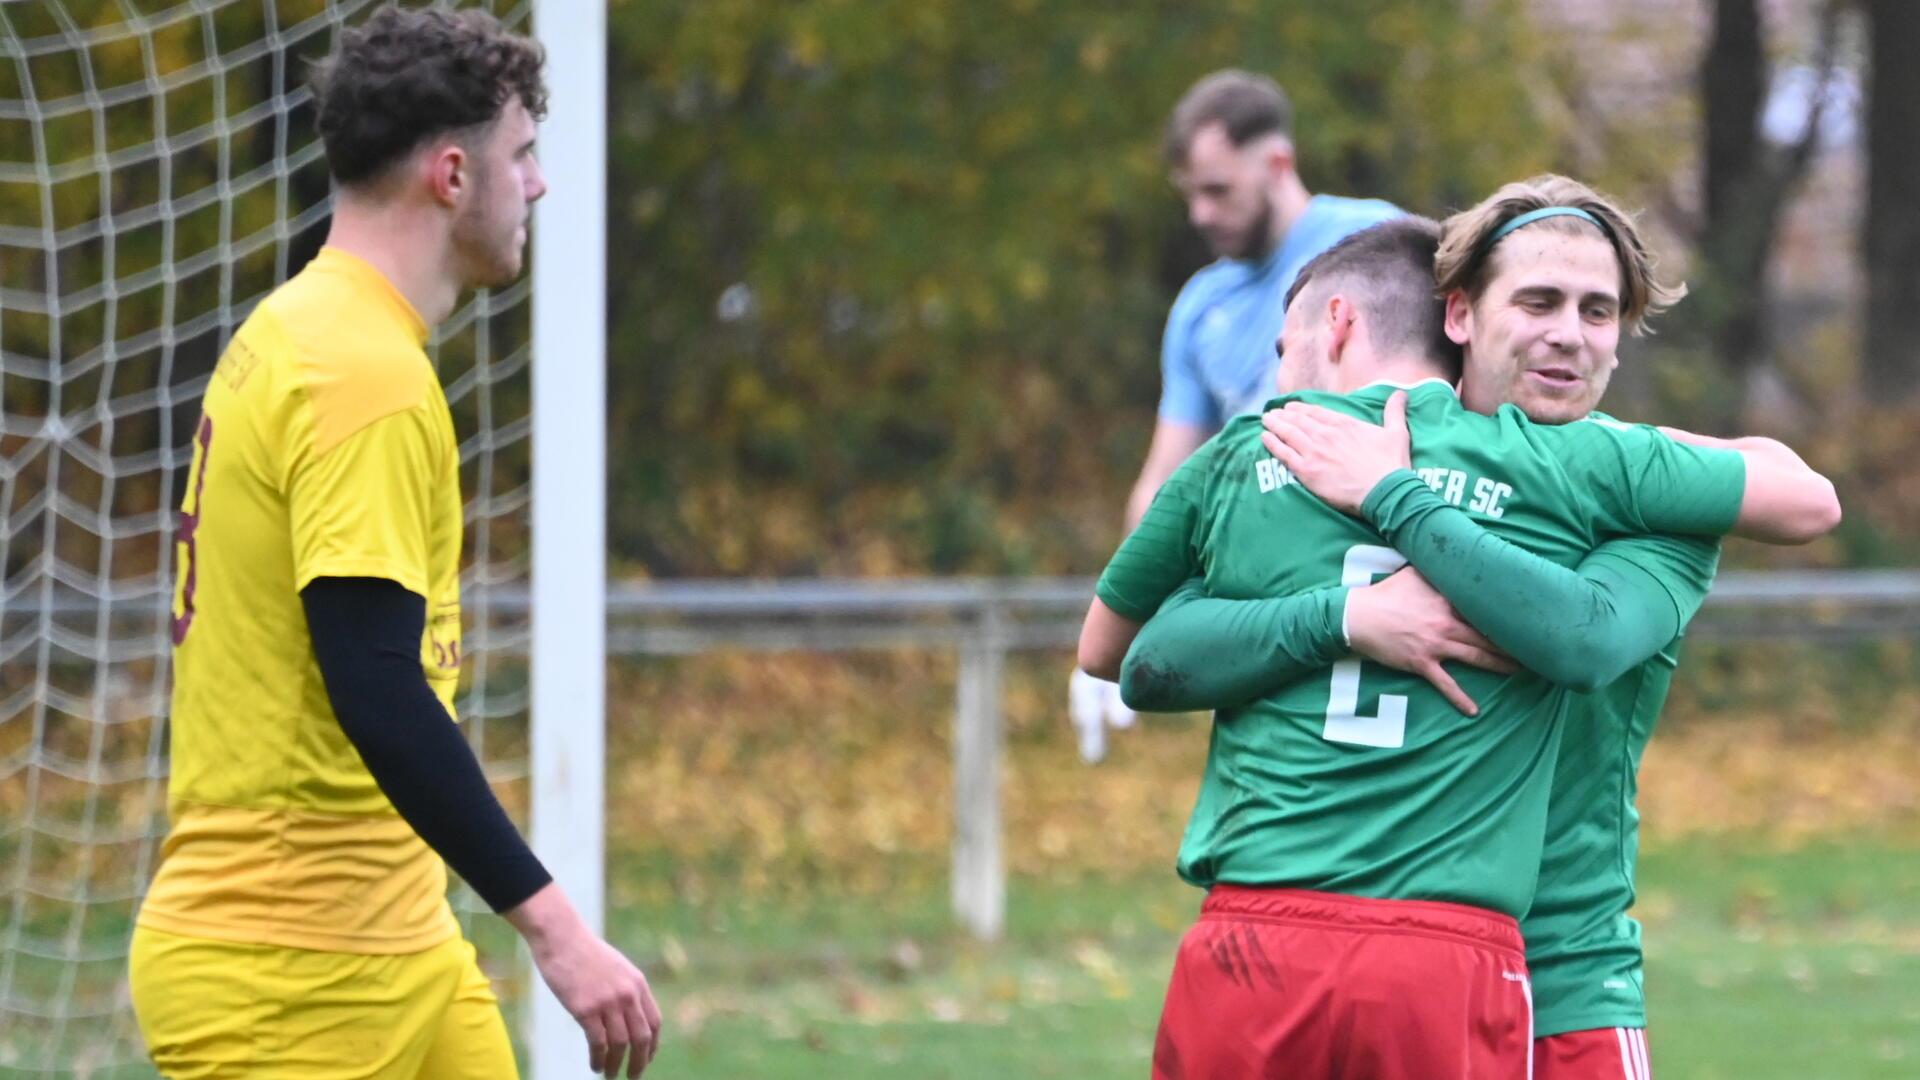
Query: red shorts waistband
{"x": 1430, "y": 917}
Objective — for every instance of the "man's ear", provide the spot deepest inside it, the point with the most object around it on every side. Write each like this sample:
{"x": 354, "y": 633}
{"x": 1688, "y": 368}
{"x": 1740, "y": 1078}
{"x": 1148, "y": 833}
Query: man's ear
{"x": 1340, "y": 314}
{"x": 1278, "y": 159}
{"x": 449, "y": 172}
{"x": 1459, "y": 317}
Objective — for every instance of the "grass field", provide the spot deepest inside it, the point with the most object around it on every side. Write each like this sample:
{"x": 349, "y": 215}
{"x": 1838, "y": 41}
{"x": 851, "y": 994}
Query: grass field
{"x": 1761, "y": 964}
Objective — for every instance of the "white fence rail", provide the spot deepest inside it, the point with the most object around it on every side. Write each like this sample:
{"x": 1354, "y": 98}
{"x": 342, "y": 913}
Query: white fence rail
{"x": 682, "y": 617}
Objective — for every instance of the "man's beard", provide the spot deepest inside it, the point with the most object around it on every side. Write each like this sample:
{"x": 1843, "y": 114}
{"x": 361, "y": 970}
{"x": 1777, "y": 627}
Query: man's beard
{"x": 489, "y": 256}
{"x": 1256, "y": 242}
{"x": 488, "y": 259}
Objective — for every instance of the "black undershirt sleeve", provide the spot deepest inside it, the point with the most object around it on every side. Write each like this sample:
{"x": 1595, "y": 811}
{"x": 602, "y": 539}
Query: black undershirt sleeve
{"x": 366, "y": 635}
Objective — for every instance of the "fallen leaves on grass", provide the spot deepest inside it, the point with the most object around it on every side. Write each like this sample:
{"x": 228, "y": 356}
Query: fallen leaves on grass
{"x": 788, "y": 774}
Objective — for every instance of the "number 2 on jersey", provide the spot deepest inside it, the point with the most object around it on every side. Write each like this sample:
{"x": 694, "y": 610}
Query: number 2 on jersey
{"x": 1344, "y": 723}
{"x": 183, "y": 537}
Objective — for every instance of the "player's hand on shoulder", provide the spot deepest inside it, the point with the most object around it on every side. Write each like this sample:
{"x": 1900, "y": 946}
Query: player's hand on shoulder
{"x": 599, "y": 987}
{"x": 1405, "y": 624}
{"x": 1339, "y": 458}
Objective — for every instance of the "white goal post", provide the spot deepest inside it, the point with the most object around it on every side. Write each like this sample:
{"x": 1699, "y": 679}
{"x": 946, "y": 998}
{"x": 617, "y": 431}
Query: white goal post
{"x": 570, "y": 490}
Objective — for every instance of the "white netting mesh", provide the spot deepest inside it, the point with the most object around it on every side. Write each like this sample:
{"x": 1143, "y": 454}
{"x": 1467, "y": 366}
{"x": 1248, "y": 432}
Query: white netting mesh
{"x": 159, "y": 175}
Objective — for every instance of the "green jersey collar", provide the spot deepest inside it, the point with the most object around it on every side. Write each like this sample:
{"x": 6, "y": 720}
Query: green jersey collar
{"x": 1451, "y": 389}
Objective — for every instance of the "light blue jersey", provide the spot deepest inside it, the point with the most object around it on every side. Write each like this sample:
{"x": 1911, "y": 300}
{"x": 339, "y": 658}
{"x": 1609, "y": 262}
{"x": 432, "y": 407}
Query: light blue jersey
{"x": 1217, "y": 358}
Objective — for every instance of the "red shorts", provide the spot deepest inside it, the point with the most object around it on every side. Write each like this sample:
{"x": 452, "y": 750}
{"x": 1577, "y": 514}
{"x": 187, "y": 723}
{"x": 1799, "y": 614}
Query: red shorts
{"x": 1599, "y": 1054}
{"x": 1295, "y": 984}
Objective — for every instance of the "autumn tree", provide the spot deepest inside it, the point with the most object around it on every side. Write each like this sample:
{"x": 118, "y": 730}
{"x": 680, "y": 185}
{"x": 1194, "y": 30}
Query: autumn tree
{"x": 1890, "y": 234}
{"x": 1747, "y": 183}
{"x": 888, "y": 280}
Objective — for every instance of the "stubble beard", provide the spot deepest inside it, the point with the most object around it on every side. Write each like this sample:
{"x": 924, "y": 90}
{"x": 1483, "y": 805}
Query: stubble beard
{"x": 1258, "y": 242}
{"x": 1255, "y": 242}
{"x": 489, "y": 252}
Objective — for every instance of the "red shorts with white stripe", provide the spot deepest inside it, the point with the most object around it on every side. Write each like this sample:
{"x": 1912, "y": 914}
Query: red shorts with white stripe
{"x": 1599, "y": 1054}
{"x": 1286, "y": 983}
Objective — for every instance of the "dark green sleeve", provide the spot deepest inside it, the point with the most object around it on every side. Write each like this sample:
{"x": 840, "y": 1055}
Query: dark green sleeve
{"x": 1577, "y": 628}
{"x": 1198, "y": 652}
{"x": 1682, "y": 566}
{"x": 1641, "y": 481}
{"x": 1161, "y": 552}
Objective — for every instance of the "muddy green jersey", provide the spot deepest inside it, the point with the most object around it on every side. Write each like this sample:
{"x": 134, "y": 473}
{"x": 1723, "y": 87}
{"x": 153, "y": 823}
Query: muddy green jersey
{"x": 1360, "y": 779}
{"x": 1582, "y": 947}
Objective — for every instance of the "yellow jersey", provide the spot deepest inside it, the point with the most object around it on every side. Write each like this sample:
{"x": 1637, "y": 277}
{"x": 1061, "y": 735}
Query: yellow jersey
{"x": 324, "y": 449}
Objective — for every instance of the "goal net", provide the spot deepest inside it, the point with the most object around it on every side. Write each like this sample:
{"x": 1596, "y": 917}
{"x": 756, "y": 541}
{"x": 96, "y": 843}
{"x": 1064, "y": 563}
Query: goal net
{"x": 159, "y": 174}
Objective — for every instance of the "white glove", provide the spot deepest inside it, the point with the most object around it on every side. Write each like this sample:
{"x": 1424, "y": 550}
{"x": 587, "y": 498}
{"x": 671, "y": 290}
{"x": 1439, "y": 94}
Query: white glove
{"x": 1095, "y": 706}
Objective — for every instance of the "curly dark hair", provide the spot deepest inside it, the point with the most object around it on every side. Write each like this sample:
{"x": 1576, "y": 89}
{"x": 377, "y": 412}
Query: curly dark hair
{"x": 407, "y": 75}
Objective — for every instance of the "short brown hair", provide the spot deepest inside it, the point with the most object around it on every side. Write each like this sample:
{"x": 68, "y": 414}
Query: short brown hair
{"x": 1465, "y": 261}
{"x": 407, "y": 75}
{"x": 1247, "y": 105}
{"x": 1389, "y": 270}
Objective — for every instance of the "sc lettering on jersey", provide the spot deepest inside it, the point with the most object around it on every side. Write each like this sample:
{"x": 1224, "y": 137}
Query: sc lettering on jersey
{"x": 1452, "y": 484}
{"x": 1488, "y": 495}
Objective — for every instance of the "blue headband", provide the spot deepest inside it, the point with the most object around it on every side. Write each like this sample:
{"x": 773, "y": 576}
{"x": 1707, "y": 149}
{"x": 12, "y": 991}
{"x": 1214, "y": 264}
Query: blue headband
{"x": 1532, "y": 216}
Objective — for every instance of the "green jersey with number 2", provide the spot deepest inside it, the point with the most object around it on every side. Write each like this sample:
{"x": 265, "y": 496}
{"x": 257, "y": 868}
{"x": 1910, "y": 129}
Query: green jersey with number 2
{"x": 1363, "y": 780}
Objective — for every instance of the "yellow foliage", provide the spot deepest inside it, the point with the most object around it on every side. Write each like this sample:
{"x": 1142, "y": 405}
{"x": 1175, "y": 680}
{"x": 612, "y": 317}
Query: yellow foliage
{"x": 1790, "y": 785}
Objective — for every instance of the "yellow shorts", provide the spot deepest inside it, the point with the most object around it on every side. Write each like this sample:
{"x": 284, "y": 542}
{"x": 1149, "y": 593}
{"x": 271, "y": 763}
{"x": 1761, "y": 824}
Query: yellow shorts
{"x": 224, "y": 1009}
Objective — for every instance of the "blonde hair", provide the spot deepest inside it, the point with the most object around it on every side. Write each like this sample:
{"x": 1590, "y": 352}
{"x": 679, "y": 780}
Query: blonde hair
{"x": 1465, "y": 260}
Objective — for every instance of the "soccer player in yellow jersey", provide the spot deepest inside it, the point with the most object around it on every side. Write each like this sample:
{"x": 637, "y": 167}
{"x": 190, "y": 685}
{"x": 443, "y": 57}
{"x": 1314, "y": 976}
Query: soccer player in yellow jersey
{"x": 298, "y": 926}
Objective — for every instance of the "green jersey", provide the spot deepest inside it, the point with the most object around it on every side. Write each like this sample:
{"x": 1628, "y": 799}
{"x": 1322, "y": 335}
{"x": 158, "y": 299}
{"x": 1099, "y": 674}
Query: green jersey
{"x": 1583, "y": 949}
{"x": 1362, "y": 780}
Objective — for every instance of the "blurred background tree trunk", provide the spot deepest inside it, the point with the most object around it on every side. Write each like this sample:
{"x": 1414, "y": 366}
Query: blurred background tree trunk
{"x": 1748, "y": 182}
{"x": 1733, "y": 91}
{"x": 1891, "y": 225}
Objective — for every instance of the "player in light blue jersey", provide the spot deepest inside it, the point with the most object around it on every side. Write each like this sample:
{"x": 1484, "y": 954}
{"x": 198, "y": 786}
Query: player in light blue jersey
{"x": 1229, "y": 144}
{"x": 1217, "y": 358}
